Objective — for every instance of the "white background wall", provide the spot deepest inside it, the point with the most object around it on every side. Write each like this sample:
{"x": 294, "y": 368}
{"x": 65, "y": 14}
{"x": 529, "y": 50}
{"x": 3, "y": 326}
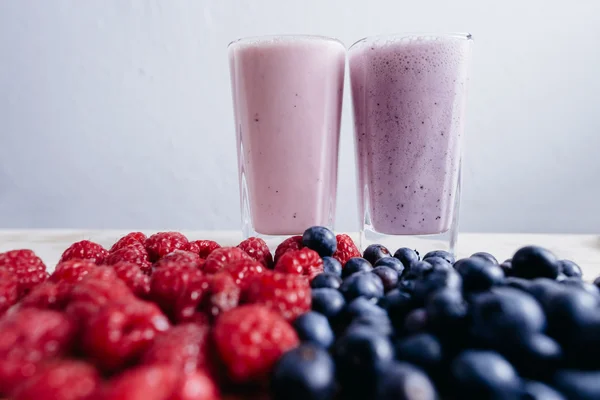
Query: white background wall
{"x": 117, "y": 113}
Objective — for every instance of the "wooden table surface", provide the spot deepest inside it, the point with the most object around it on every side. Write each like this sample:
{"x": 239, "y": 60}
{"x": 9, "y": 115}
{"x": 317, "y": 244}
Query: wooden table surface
{"x": 583, "y": 249}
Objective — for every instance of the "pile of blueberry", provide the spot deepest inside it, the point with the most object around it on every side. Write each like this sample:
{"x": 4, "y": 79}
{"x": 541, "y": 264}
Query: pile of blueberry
{"x": 399, "y": 326}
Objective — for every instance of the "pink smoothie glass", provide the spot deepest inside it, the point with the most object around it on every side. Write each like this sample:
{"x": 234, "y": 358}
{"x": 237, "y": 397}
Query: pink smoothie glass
{"x": 287, "y": 97}
{"x": 409, "y": 93}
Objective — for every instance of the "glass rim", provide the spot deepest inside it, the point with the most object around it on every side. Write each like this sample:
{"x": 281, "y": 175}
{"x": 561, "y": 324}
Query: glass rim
{"x": 396, "y": 36}
{"x": 263, "y": 38}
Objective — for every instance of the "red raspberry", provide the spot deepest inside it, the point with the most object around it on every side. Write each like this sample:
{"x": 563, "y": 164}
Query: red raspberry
{"x": 211, "y": 296}
{"x": 203, "y": 247}
{"x": 72, "y": 271}
{"x": 29, "y": 269}
{"x": 121, "y": 332}
{"x": 9, "y": 290}
{"x": 60, "y": 380}
{"x": 250, "y": 339}
{"x": 169, "y": 284}
{"x": 179, "y": 257}
{"x": 128, "y": 240}
{"x": 287, "y": 294}
{"x": 85, "y": 250}
{"x": 243, "y": 270}
{"x": 162, "y": 243}
{"x": 220, "y": 258}
{"x": 346, "y": 249}
{"x": 258, "y": 250}
{"x": 135, "y": 253}
{"x": 14, "y": 371}
{"x": 185, "y": 347}
{"x": 195, "y": 386}
{"x": 48, "y": 295}
{"x": 141, "y": 383}
{"x": 291, "y": 243}
{"x": 305, "y": 262}
{"x": 133, "y": 277}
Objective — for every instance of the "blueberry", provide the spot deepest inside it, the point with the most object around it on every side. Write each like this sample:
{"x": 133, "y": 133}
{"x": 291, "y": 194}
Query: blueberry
{"x": 375, "y": 252}
{"x": 543, "y": 289}
{"x": 449, "y": 257}
{"x": 507, "y": 267}
{"x": 438, "y": 262}
{"x": 392, "y": 263}
{"x": 326, "y": 280}
{"x": 580, "y": 385}
{"x": 582, "y": 345}
{"x": 582, "y": 285}
{"x": 360, "y": 355}
{"x": 416, "y": 321}
{"x": 533, "y": 262}
{"x": 569, "y": 311}
{"x": 380, "y": 324}
{"x": 569, "y": 268}
{"x": 403, "y": 381}
{"x": 481, "y": 374}
{"x": 354, "y": 265}
{"x": 328, "y": 302}
{"x": 321, "y": 240}
{"x": 363, "y": 307}
{"x": 423, "y": 349}
{"x": 417, "y": 270}
{"x": 362, "y": 284}
{"x": 533, "y": 355}
{"x": 518, "y": 283}
{"x": 436, "y": 280}
{"x": 446, "y": 310}
{"x": 306, "y": 372}
{"x": 388, "y": 276}
{"x": 534, "y": 390}
{"x": 407, "y": 285}
{"x": 397, "y": 303}
{"x": 314, "y": 327}
{"x": 479, "y": 274}
{"x": 597, "y": 282}
{"x": 485, "y": 256}
{"x": 332, "y": 266}
{"x": 407, "y": 256}
{"x": 505, "y": 311}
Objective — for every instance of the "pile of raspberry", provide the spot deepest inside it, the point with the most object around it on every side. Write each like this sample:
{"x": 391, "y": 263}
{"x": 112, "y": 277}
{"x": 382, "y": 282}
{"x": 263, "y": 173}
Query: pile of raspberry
{"x": 155, "y": 318}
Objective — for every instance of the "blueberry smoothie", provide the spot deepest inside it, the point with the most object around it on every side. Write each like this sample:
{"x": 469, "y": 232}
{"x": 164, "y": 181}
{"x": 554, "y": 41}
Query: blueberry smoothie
{"x": 287, "y": 94}
{"x": 409, "y": 99}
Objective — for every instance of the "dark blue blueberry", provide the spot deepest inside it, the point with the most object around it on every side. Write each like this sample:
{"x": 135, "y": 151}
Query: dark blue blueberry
{"x": 408, "y": 285}
{"x": 375, "y": 252}
{"x": 446, "y": 309}
{"x": 533, "y": 355}
{"x": 306, "y": 372}
{"x": 388, "y": 276}
{"x": 417, "y": 270}
{"x": 407, "y": 256}
{"x": 561, "y": 277}
{"x": 326, "y": 280}
{"x": 423, "y": 350}
{"x": 314, "y": 327}
{"x": 578, "y": 283}
{"x": 597, "y": 282}
{"x": 416, "y": 321}
{"x": 392, "y": 263}
{"x": 580, "y": 385}
{"x": 362, "y": 284}
{"x": 362, "y": 307}
{"x": 479, "y": 274}
{"x": 507, "y": 267}
{"x": 569, "y": 311}
{"x": 533, "y": 390}
{"x": 481, "y": 374}
{"x": 438, "y": 262}
{"x": 582, "y": 344}
{"x": 449, "y": 257}
{"x": 381, "y": 324}
{"x": 403, "y": 381}
{"x": 397, "y": 303}
{"x": 569, "y": 268}
{"x": 328, "y": 302}
{"x": 518, "y": 283}
{"x": 505, "y": 311}
{"x": 354, "y": 265}
{"x": 544, "y": 289}
{"x": 535, "y": 262}
{"x": 435, "y": 280}
{"x": 321, "y": 240}
{"x": 485, "y": 256}
{"x": 332, "y": 266}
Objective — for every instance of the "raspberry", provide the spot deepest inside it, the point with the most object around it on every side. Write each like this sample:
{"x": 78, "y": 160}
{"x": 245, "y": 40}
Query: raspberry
{"x": 258, "y": 250}
{"x": 287, "y": 294}
{"x": 195, "y": 386}
{"x": 120, "y": 333}
{"x": 250, "y": 339}
{"x": 243, "y": 270}
{"x": 135, "y": 253}
{"x": 9, "y": 292}
{"x": 14, "y": 371}
{"x": 203, "y": 247}
{"x": 133, "y": 277}
{"x": 29, "y": 269}
{"x": 162, "y": 243}
{"x": 48, "y": 295}
{"x": 184, "y": 346}
{"x": 128, "y": 240}
{"x": 211, "y": 296}
{"x": 305, "y": 262}
{"x": 85, "y": 250}
{"x": 169, "y": 284}
{"x": 291, "y": 243}
{"x": 72, "y": 271}
{"x": 346, "y": 249}
{"x": 220, "y": 258}
{"x": 179, "y": 257}
{"x": 141, "y": 383}
{"x": 60, "y": 380}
